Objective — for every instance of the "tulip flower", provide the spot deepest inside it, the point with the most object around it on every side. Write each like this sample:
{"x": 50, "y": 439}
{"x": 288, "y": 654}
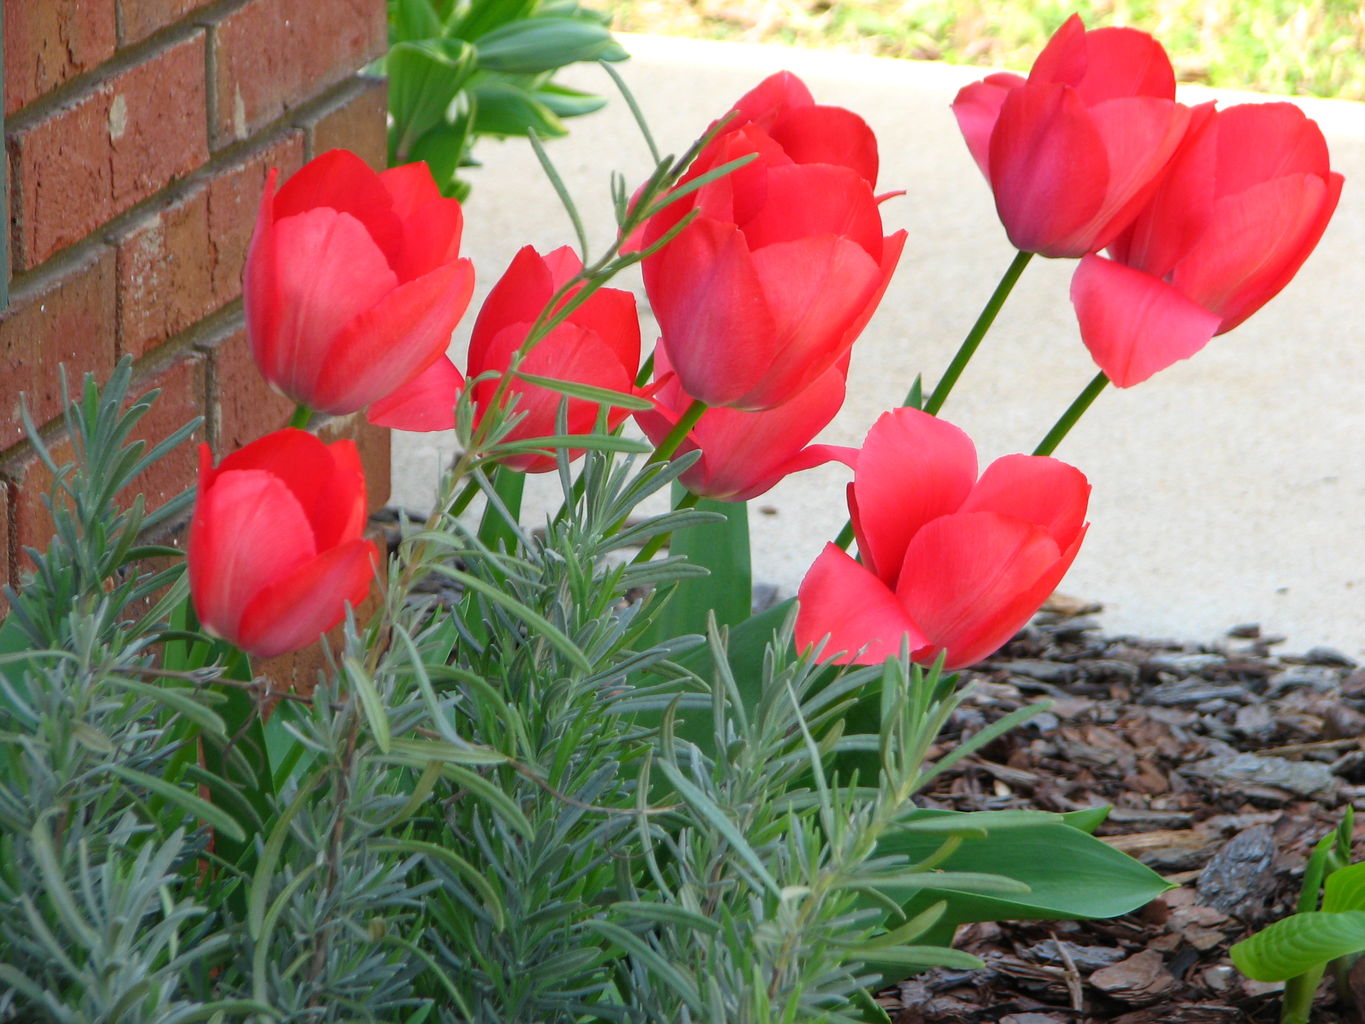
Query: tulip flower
{"x": 950, "y": 563}
{"x": 785, "y": 261}
{"x": 598, "y": 343}
{"x": 353, "y": 283}
{"x": 1075, "y": 150}
{"x": 1245, "y": 203}
{"x": 275, "y": 545}
{"x": 745, "y": 454}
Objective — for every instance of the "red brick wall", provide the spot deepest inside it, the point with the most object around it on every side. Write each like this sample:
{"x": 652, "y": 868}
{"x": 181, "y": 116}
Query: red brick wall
{"x": 138, "y": 134}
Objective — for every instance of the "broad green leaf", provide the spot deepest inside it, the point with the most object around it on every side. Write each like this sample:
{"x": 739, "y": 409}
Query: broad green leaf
{"x": 722, "y": 548}
{"x": 424, "y": 77}
{"x": 502, "y": 108}
{"x": 1345, "y": 889}
{"x": 486, "y": 15}
{"x": 412, "y": 19}
{"x": 533, "y": 45}
{"x": 566, "y": 102}
{"x": 443, "y": 149}
{"x": 1299, "y": 943}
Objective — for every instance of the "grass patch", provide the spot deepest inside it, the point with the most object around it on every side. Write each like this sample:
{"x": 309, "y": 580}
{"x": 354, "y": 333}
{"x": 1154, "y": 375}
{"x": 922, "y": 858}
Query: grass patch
{"x": 1272, "y": 46}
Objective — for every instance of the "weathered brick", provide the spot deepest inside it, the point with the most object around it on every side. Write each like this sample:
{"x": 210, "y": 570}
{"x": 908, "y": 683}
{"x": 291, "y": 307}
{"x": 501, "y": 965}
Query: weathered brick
{"x": 6, "y": 552}
{"x": 138, "y": 19}
{"x": 244, "y": 405}
{"x": 48, "y": 42}
{"x": 116, "y": 144}
{"x": 358, "y": 122}
{"x": 375, "y": 448}
{"x": 233, "y": 198}
{"x": 31, "y": 522}
{"x": 63, "y": 317}
{"x": 270, "y": 55}
{"x": 164, "y": 274}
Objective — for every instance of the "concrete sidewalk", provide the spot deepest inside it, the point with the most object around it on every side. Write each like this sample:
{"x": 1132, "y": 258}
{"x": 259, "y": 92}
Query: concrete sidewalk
{"x": 1227, "y": 489}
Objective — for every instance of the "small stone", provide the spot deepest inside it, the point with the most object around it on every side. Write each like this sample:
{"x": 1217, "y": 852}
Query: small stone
{"x": 1185, "y": 664}
{"x": 1219, "y": 977}
{"x": 1317, "y": 677}
{"x": 1323, "y": 655}
{"x": 1243, "y": 771}
{"x": 1240, "y": 874}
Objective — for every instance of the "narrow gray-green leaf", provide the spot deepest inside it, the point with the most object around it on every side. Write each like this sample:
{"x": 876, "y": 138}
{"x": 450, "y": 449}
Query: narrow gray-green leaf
{"x": 188, "y": 802}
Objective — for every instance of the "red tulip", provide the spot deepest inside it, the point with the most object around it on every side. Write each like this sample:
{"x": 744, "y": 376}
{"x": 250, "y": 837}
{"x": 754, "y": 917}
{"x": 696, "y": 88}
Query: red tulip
{"x": 353, "y": 283}
{"x": 785, "y": 262}
{"x": 744, "y": 454}
{"x": 275, "y": 547}
{"x": 598, "y": 343}
{"x": 949, "y": 562}
{"x": 1074, "y": 151}
{"x": 1246, "y": 201}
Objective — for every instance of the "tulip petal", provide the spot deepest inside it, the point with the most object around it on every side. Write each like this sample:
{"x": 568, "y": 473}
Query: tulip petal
{"x": 327, "y": 271}
{"x": 388, "y": 344}
{"x": 1123, "y": 62}
{"x": 1034, "y": 489}
{"x": 308, "y": 600}
{"x": 863, "y": 621}
{"x": 1261, "y": 141}
{"x": 1049, "y": 168}
{"x": 811, "y": 200}
{"x": 977, "y": 108}
{"x": 780, "y": 93}
{"x": 828, "y": 135}
{"x": 246, "y": 529}
{"x": 970, "y": 581}
{"x": 1254, "y": 243}
{"x": 1133, "y": 324}
{"x": 316, "y": 475}
{"x": 517, "y": 298}
{"x": 423, "y": 404}
{"x": 913, "y": 468}
{"x": 815, "y": 289}
{"x": 341, "y": 181}
{"x": 710, "y": 305}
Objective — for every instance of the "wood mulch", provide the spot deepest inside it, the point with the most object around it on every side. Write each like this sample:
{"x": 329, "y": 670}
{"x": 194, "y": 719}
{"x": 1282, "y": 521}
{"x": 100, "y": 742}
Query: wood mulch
{"x": 1224, "y": 763}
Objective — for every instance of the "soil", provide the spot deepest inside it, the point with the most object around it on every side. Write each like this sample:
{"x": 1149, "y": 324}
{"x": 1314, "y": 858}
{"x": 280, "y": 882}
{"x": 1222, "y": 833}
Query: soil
{"x": 1224, "y": 763}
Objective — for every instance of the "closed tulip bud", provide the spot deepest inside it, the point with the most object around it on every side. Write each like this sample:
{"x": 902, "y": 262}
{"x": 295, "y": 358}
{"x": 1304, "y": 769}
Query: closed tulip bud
{"x": 353, "y": 282}
{"x": 275, "y": 546}
{"x": 785, "y": 261}
{"x": 1073, "y": 151}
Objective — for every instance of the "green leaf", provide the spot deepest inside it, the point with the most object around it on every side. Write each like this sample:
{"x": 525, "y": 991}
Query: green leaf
{"x": 1299, "y": 943}
{"x": 443, "y": 150}
{"x": 1345, "y": 889}
{"x": 722, "y": 548}
{"x": 533, "y": 45}
{"x": 566, "y": 102}
{"x": 576, "y": 389}
{"x": 370, "y": 702}
{"x": 412, "y": 19}
{"x": 424, "y": 77}
{"x": 502, "y": 108}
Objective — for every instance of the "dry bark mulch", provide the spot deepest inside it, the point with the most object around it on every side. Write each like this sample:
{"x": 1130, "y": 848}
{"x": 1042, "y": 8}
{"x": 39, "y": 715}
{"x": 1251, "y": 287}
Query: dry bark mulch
{"x": 1224, "y": 763}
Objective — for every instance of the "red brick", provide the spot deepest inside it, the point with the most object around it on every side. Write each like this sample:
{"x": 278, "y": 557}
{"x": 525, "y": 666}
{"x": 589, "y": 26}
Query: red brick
{"x": 233, "y": 199}
{"x": 358, "y": 122}
{"x": 182, "y": 398}
{"x": 244, "y": 405}
{"x": 164, "y": 274}
{"x": 116, "y": 144}
{"x": 58, "y": 318}
{"x": 272, "y": 55}
{"x": 6, "y": 553}
{"x": 32, "y": 523}
{"x": 375, "y": 452}
{"x": 140, "y": 18}
{"x": 48, "y": 42}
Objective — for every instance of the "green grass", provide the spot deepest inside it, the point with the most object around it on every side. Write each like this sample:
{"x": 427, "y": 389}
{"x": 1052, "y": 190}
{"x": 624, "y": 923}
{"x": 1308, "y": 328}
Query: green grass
{"x": 1273, "y": 46}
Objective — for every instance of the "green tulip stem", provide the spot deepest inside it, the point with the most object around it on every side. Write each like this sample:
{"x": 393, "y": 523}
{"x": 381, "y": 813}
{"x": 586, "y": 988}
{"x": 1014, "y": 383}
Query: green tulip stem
{"x": 845, "y": 537}
{"x": 974, "y": 336}
{"x": 1073, "y": 413}
{"x": 302, "y": 417}
{"x": 675, "y": 436}
{"x": 651, "y": 548}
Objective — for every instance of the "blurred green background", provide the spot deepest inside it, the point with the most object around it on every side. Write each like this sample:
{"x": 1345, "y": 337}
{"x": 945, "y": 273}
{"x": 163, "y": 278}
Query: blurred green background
{"x": 1273, "y": 46}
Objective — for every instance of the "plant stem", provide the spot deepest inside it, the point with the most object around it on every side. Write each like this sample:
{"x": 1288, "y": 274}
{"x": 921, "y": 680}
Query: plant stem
{"x": 1073, "y": 412}
{"x": 978, "y": 331}
{"x": 685, "y": 423}
{"x": 302, "y": 417}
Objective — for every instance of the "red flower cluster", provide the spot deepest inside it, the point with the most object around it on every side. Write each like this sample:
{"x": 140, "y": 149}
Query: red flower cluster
{"x": 1205, "y": 214}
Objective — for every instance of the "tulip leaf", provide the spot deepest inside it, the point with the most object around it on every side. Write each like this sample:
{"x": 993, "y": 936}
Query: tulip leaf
{"x": 1299, "y": 943}
{"x": 566, "y": 102}
{"x": 532, "y": 45}
{"x": 413, "y": 19}
{"x": 501, "y": 108}
{"x": 1345, "y": 889}
{"x": 424, "y": 77}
